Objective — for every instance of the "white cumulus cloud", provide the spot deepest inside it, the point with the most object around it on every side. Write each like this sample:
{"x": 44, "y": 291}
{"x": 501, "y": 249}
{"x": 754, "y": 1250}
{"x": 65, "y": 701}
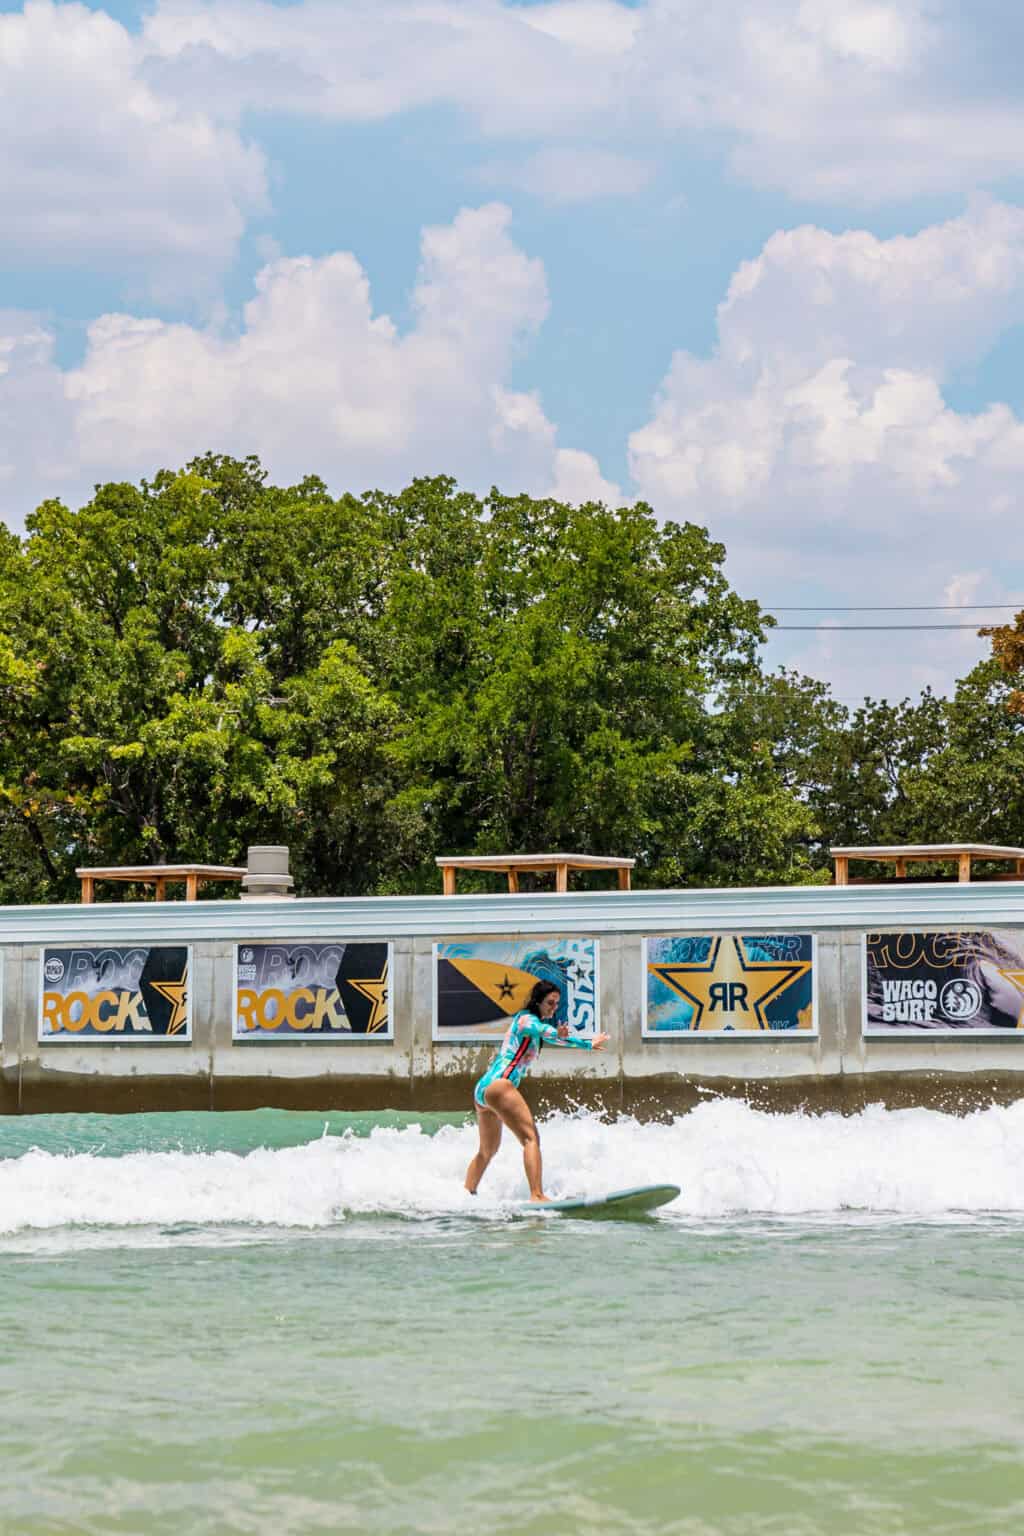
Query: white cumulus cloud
{"x": 97, "y": 169}
{"x": 818, "y": 443}
{"x": 862, "y": 101}
{"x": 313, "y": 381}
{"x": 519, "y": 70}
{"x": 124, "y": 151}
{"x": 849, "y": 101}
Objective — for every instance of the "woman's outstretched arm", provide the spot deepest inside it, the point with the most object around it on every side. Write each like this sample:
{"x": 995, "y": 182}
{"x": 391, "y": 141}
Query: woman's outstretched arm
{"x": 548, "y": 1033}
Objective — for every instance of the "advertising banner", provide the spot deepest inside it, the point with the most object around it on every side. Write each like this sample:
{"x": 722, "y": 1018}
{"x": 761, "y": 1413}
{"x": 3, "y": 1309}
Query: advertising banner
{"x": 481, "y": 984}
{"x": 726, "y": 983}
{"x": 944, "y": 982}
{"x": 107, "y": 993}
{"x": 312, "y": 991}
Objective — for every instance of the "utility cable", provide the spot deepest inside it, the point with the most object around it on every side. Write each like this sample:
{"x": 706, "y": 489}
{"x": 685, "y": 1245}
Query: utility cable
{"x": 893, "y": 608}
{"x": 892, "y": 629}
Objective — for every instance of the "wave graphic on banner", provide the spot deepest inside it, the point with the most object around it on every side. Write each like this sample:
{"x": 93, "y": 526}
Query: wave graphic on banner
{"x": 730, "y": 1160}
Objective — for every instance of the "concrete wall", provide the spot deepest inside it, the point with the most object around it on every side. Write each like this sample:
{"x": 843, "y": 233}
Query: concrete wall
{"x": 838, "y": 1069}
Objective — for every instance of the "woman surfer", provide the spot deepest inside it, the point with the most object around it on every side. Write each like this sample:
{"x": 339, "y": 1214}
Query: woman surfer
{"x": 497, "y": 1097}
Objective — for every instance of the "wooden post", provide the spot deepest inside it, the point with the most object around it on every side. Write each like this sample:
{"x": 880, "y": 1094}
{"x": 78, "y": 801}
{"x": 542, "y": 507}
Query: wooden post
{"x": 842, "y": 869}
{"x": 561, "y": 877}
{"x": 1020, "y": 868}
{"x": 624, "y": 875}
{"x": 88, "y": 889}
{"x": 448, "y": 878}
{"x": 965, "y": 866}
{"x": 161, "y": 889}
{"x": 191, "y": 887}
{"x": 901, "y": 869}
{"x": 513, "y": 880}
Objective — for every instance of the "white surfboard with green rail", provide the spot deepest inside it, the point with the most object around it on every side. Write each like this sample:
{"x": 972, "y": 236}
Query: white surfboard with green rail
{"x": 619, "y": 1203}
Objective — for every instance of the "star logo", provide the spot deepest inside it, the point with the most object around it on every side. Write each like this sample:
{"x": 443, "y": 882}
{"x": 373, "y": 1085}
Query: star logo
{"x": 375, "y": 990}
{"x": 1016, "y": 979}
{"x": 505, "y": 987}
{"x": 176, "y": 993}
{"x": 727, "y": 990}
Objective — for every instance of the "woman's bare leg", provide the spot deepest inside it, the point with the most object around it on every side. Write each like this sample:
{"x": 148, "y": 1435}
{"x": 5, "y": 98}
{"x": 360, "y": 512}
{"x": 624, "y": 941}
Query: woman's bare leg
{"x": 509, "y": 1103}
{"x": 489, "y": 1127}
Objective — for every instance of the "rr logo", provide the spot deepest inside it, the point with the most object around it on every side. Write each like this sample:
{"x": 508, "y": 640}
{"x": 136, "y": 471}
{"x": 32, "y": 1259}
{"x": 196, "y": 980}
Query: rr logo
{"x": 728, "y": 995}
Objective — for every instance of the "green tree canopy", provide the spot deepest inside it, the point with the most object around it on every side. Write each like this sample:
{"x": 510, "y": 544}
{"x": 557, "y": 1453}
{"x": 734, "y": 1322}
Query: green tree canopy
{"x": 938, "y": 770}
{"x": 207, "y": 660}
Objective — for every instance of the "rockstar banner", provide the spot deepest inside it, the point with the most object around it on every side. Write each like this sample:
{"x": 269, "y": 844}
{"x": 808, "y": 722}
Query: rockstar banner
{"x": 944, "y": 982}
{"x": 718, "y": 984}
{"x": 117, "y": 992}
{"x": 312, "y": 991}
{"x": 479, "y": 986}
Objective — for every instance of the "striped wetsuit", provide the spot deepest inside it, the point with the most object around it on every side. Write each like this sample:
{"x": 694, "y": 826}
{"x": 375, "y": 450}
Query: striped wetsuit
{"x": 520, "y": 1049}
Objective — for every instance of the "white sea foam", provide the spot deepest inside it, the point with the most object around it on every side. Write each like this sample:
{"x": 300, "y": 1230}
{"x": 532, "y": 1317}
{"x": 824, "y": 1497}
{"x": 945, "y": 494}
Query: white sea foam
{"x": 729, "y": 1160}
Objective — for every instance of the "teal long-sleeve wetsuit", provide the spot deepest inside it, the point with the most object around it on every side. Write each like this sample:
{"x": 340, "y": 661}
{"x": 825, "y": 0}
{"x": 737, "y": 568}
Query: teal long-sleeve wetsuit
{"x": 520, "y": 1049}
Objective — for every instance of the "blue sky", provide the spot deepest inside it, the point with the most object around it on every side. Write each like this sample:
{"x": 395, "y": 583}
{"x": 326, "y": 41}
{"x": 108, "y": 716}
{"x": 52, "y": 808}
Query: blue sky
{"x": 761, "y": 265}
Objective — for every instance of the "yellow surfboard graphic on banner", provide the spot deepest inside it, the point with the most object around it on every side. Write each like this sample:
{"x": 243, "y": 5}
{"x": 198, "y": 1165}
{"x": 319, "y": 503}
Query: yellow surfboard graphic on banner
{"x": 504, "y": 986}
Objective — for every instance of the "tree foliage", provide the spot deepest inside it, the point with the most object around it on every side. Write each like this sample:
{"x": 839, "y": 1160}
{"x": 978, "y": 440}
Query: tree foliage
{"x": 1008, "y": 653}
{"x": 938, "y": 770}
{"x": 206, "y": 660}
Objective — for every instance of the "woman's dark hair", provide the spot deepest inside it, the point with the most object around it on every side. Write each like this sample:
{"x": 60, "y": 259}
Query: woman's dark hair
{"x": 541, "y": 990}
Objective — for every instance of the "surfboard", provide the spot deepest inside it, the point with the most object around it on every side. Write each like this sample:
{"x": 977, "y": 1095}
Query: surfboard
{"x": 620, "y": 1204}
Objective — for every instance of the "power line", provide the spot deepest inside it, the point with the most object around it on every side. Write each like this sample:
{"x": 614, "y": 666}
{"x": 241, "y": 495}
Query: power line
{"x": 895, "y": 608}
{"x": 894, "y": 629}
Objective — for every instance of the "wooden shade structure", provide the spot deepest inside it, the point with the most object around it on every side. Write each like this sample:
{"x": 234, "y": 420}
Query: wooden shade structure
{"x": 511, "y": 865}
{"x": 962, "y": 854}
{"x": 159, "y": 875}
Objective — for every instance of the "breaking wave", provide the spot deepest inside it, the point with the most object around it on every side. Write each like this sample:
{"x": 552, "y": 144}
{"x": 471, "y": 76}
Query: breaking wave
{"x": 730, "y": 1160}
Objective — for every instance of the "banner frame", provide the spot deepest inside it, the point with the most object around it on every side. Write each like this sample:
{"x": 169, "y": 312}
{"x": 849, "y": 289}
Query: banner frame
{"x": 330, "y": 1037}
{"x": 495, "y": 938}
{"x": 919, "y": 1032}
{"x": 718, "y": 1035}
{"x": 71, "y": 1037}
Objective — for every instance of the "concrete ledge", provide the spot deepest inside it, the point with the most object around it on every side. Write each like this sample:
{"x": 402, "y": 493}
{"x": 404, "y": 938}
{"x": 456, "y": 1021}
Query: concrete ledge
{"x": 742, "y": 909}
{"x": 9, "y": 1096}
{"x": 646, "y": 1098}
{"x": 72, "y": 1093}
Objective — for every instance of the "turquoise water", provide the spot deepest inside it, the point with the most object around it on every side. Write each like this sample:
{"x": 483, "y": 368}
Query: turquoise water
{"x": 289, "y": 1323}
